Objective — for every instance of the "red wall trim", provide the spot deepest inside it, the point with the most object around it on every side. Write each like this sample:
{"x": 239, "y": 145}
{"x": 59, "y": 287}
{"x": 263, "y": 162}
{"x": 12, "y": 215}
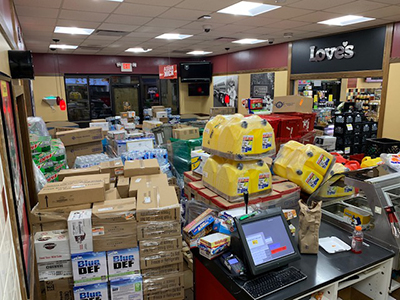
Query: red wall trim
{"x": 260, "y": 58}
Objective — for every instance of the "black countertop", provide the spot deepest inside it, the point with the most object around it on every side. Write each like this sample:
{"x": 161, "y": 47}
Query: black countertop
{"x": 321, "y": 269}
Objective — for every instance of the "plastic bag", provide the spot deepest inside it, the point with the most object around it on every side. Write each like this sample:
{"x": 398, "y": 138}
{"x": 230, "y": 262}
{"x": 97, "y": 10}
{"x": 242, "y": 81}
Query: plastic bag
{"x": 37, "y": 126}
{"x": 40, "y": 179}
{"x": 392, "y": 161}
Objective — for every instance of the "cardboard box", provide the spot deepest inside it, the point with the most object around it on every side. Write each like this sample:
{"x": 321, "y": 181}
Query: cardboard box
{"x": 149, "y": 125}
{"x": 103, "y": 125}
{"x": 161, "y": 114}
{"x": 214, "y": 111}
{"x": 140, "y": 145}
{"x": 187, "y": 133}
{"x": 83, "y": 178}
{"x": 50, "y": 215}
{"x": 51, "y": 226}
{"x": 161, "y": 259}
{"x": 89, "y": 268}
{"x": 205, "y": 196}
{"x": 80, "y": 136}
{"x": 59, "y": 289}
{"x": 156, "y": 284}
{"x": 141, "y": 167}
{"x": 127, "y": 288}
{"x": 293, "y": 103}
{"x": 52, "y": 246}
{"x": 114, "y": 168}
{"x": 162, "y": 270}
{"x": 54, "y": 270}
{"x": 111, "y": 230}
{"x": 157, "y": 245}
{"x": 98, "y": 291}
{"x": 80, "y": 231}
{"x": 123, "y": 262}
{"x": 73, "y": 152}
{"x": 112, "y": 194}
{"x": 117, "y": 134}
{"x": 147, "y": 181}
{"x": 123, "y": 186}
{"x": 118, "y": 242}
{"x": 78, "y": 172}
{"x": 157, "y": 204}
{"x": 198, "y": 228}
{"x": 149, "y": 230}
{"x": 58, "y": 194}
{"x": 114, "y": 211}
{"x": 169, "y": 294}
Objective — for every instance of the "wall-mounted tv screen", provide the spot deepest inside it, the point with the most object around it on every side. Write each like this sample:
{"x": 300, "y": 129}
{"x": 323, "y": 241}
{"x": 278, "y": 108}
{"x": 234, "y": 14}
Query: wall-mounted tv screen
{"x": 199, "y": 71}
{"x": 199, "y": 89}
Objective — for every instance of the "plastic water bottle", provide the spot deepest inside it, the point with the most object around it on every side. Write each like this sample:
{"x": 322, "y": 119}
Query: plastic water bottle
{"x": 357, "y": 240}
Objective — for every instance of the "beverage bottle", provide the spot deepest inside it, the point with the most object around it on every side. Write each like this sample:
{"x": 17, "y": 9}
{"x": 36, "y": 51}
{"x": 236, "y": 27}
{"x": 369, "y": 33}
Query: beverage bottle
{"x": 357, "y": 240}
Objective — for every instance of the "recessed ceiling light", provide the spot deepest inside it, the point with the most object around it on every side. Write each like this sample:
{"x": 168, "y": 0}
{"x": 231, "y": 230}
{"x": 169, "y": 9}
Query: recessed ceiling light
{"x": 64, "y": 47}
{"x": 173, "y": 36}
{"x": 246, "y": 8}
{"x": 73, "y": 30}
{"x": 138, "y": 50}
{"x": 346, "y": 20}
{"x": 249, "y": 41}
{"x": 198, "y": 52}
{"x": 207, "y": 17}
{"x": 116, "y": 0}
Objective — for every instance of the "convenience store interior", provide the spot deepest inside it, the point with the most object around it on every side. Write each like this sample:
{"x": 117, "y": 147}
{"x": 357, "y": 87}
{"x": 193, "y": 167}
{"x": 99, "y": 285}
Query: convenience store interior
{"x": 198, "y": 149}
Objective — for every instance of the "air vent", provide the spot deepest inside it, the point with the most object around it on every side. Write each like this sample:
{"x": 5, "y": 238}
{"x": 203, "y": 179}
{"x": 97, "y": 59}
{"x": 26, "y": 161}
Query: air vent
{"x": 111, "y": 32}
{"x": 225, "y": 39}
{"x": 91, "y": 48}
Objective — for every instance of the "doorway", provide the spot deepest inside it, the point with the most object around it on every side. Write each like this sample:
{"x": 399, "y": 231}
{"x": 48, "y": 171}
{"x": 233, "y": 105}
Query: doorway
{"x": 126, "y": 98}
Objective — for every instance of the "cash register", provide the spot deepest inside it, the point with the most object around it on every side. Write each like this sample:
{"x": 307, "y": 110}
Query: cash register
{"x": 265, "y": 245}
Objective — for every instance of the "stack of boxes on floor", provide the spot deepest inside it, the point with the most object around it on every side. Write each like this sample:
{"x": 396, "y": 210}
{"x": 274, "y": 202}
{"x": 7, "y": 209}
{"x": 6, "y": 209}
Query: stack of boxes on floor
{"x": 95, "y": 255}
{"x": 80, "y": 142}
{"x": 352, "y": 131}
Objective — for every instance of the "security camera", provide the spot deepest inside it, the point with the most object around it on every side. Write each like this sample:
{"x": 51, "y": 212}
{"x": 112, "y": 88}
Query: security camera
{"x": 53, "y": 49}
{"x": 207, "y": 28}
{"x": 271, "y": 41}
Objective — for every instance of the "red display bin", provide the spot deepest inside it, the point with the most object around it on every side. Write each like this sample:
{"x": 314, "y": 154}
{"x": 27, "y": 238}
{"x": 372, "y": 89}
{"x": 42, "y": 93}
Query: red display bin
{"x": 289, "y": 126}
{"x": 274, "y": 121}
{"x": 308, "y": 120}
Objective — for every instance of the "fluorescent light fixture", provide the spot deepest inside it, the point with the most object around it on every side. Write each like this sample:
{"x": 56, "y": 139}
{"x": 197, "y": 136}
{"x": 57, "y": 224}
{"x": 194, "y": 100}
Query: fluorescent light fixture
{"x": 138, "y": 50}
{"x": 73, "y": 30}
{"x": 198, "y": 52}
{"x": 64, "y": 47}
{"x": 173, "y": 36}
{"x": 246, "y": 8}
{"x": 346, "y": 20}
{"x": 115, "y": 0}
{"x": 249, "y": 41}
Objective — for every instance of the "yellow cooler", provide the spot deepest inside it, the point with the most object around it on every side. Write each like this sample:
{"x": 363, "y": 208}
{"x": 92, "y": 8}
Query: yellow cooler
{"x": 211, "y": 169}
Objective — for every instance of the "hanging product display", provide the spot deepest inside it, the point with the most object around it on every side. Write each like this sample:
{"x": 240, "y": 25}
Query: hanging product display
{"x": 239, "y": 138}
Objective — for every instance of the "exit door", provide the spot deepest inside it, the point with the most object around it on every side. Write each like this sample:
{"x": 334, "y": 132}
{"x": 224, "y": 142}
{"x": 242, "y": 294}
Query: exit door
{"x": 126, "y": 98}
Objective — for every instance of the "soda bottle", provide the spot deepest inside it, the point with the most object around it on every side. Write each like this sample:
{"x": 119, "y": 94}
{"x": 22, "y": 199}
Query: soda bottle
{"x": 357, "y": 240}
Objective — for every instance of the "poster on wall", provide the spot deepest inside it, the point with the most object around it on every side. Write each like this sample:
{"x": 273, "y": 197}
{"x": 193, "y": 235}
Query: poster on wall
{"x": 226, "y": 85}
{"x": 262, "y": 85}
{"x": 11, "y": 138}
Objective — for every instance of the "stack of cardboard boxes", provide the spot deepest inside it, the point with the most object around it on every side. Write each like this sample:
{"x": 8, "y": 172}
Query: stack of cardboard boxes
{"x": 158, "y": 230}
{"x": 97, "y": 251}
{"x": 80, "y": 142}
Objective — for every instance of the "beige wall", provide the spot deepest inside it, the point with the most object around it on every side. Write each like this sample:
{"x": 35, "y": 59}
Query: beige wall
{"x": 44, "y": 86}
{"x": 4, "y": 47}
{"x": 391, "y": 120}
{"x": 203, "y": 104}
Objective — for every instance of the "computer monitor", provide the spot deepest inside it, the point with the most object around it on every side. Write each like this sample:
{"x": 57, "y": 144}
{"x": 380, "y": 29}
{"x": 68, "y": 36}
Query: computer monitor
{"x": 267, "y": 241}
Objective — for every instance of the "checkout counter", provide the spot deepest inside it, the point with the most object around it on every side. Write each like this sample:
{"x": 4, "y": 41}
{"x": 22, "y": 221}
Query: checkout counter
{"x": 369, "y": 272}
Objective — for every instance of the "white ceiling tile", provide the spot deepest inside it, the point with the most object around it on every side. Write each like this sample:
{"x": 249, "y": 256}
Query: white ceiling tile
{"x": 39, "y": 3}
{"x": 84, "y": 51}
{"x": 148, "y": 35}
{"x": 105, "y": 38}
{"x": 77, "y": 23}
{"x": 288, "y": 24}
{"x": 140, "y": 10}
{"x": 388, "y": 1}
{"x": 235, "y": 28}
{"x": 318, "y": 4}
{"x": 317, "y": 16}
{"x": 82, "y": 15}
{"x": 224, "y": 18}
{"x": 69, "y": 39}
{"x": 395, "y": 18}
{"x": 127, "y": 20}
{"x": 211, "y": 5}
{"x": 41, "y": 24}
{"x": 169, "y": 23}
{"x": 198, "y": 25}
{"x": 155, "y": 2}
{"x": 155, "y": 30}
{"x": 118, "y": 27}
{"x": 37, "y": 12}
{"x": 32, "y": 34}
{"x": 356, "y": 7}
{"x": 90, "y": 5}
{"x": 257, "y": 21}
{"x": 183, "y": 14}
{"x": 285, "y": 13}
{"x": 388, "y": 11}
{"x": 376, "y": 22}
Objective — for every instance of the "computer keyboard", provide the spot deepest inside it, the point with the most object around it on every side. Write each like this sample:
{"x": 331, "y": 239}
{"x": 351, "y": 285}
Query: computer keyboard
{"x": 273, "y": 281}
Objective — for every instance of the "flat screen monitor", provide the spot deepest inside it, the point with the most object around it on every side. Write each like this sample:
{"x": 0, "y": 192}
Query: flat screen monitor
{"x": 196, "y": 71}
{"x": 199, "y": 89}
{"x": 21, "y": 64}
{"x": 267, "y": 241}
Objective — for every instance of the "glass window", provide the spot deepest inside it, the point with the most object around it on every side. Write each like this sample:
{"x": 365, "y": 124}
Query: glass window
{"x": 150, "y": 91}
{"x": 77, "y": 99}
{"x": 170, "y": 94}
{"x": 100, "y": 100}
